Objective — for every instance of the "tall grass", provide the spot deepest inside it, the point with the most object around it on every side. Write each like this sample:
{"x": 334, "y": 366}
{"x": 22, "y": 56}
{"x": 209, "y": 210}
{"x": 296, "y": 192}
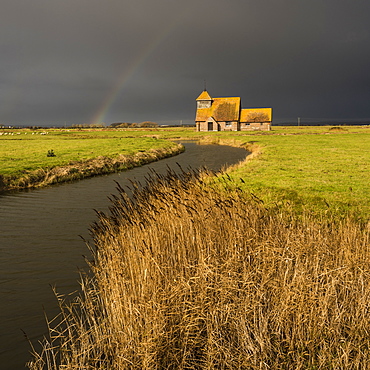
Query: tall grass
{"x": 186, "y": 277}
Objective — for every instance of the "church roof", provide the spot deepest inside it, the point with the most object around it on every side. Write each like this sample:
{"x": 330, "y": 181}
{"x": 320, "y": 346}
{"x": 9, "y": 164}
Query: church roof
{"x": 226, "y": 109}
{"x": 222, "y": 109}
{"x": 204, "y": 96}
{"x": 203, "y": 114}
{"x": 252, "y": 114}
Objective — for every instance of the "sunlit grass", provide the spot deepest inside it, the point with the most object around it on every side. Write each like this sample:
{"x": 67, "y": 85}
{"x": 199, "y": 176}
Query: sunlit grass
{"x": 325, "y": 169}
{"x": 26, "y": 161}
{"x": 29, "y": 152}
{"x": 330, "y": 168}
{"x": 322, "y": 166}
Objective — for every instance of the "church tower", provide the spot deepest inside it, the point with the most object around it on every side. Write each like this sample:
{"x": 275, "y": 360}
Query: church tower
{"x": 204, "y": 100}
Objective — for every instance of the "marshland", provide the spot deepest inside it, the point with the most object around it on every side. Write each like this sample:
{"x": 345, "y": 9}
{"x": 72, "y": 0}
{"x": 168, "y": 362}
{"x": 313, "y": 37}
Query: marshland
{"x": 264, "y": 266}
{"x": 41, "y": 245}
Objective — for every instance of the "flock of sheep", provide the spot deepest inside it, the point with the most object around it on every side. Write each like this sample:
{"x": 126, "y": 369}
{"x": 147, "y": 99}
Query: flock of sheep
{"x": 19, "y": 133}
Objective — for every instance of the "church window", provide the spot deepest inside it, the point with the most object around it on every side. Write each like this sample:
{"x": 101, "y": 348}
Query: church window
{"x": 204, "y": 104}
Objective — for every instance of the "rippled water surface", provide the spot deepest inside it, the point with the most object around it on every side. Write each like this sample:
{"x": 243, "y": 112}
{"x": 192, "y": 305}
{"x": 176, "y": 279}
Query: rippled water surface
{"x": 40, "y": 244}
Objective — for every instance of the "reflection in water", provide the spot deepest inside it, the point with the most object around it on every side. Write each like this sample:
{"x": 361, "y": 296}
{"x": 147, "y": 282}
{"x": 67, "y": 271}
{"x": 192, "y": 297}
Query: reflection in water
{"x": 40, "y": 244}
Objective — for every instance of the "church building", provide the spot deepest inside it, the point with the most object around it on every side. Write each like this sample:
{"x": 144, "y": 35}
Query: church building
{"x": 226, "y": 114}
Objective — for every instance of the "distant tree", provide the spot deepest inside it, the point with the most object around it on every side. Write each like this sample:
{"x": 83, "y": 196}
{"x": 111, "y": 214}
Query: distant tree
{"x": 145, "y": 124}
{"x": 88, "y": 125}
{"x": 148, "y": 124}
{"x": 257, "y": 117}
{"x": 120, "y": 125}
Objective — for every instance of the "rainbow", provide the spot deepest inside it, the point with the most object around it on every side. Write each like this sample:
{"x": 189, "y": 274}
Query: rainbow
{"x": 127, "y": 73}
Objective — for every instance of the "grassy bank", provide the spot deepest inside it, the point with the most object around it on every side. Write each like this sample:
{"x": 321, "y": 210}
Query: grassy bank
{"x": 324, "y": 169}
{"x": 40, "y": 158}
{"x": 186, "y": 277}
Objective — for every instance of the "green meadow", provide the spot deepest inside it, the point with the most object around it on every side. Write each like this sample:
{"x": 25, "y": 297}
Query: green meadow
{"x": 32, "y": 159}
{"x": 327, "y": 170}
{"x": 321, "y": 168}
{"x": 27, "y": 151}
{"x": 316, "y": 167}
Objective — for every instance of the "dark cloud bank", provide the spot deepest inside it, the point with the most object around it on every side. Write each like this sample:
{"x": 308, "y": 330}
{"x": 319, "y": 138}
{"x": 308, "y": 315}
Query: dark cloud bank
{"x": 76, "y": 61}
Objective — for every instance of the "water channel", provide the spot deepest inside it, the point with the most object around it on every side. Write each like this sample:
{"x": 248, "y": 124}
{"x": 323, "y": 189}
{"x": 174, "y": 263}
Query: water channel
{"x": 40, "y": 244}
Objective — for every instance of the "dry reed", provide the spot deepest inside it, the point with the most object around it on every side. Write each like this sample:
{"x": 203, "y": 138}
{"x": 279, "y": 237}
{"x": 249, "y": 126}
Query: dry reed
{"x": 187, "y": 277}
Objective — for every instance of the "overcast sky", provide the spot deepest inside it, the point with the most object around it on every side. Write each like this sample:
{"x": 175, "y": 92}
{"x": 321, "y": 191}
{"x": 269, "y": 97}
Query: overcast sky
{"x": 83, "y": 61}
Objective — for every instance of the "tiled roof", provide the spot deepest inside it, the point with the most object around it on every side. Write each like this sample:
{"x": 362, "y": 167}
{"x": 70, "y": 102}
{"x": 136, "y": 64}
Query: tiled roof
{"x": 226, "y": 109}
{"x": 222, "y": 109}
{"x": 204, "y": 96}
{"x": 248, "y": 114}
{"x": 203, "y": 114}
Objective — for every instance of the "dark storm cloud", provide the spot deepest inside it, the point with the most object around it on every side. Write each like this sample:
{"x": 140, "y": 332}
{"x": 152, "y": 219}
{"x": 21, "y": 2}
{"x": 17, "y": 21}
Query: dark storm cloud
{"x": 68, "y": 61}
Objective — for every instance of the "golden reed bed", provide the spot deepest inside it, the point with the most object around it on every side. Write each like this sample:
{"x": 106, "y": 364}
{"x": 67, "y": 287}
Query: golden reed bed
{"x": 188, "y": 277}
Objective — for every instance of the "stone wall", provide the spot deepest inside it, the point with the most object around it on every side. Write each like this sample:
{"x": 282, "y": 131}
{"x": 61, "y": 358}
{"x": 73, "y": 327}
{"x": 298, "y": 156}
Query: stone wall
{"x": 232, "y": 126}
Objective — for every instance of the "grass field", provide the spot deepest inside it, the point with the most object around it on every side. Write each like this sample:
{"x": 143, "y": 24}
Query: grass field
{"x": 76, "y": 154}
{"x": 318, "y": 167}
{"x": 28, "y": 151}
